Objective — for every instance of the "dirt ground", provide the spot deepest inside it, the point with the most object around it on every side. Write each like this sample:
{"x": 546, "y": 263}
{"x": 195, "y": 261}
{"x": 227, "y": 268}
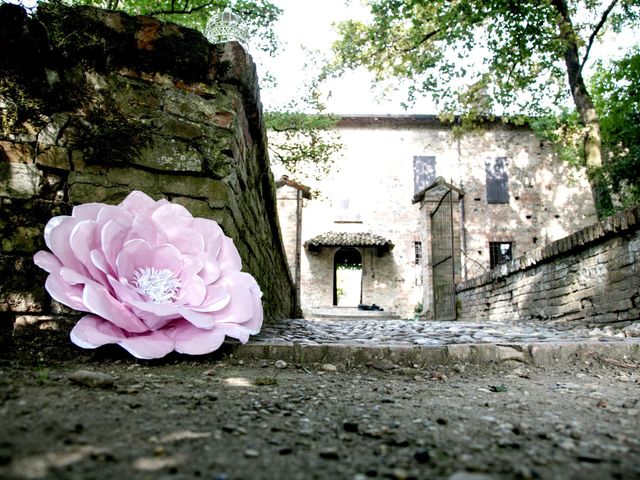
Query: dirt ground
{"x": 220, "y": 418}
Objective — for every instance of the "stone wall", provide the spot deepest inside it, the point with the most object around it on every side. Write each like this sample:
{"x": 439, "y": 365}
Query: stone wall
{"x": 591, "y": 276}
{"x": 97, "y": 103}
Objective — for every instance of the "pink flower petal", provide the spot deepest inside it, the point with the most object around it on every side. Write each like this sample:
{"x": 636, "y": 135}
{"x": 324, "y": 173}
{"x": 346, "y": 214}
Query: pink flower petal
{"x": 133, "y": 255}
{"x": 124, "y": 291}
{"x": 47, "y": 261}
{"x": 98, "y": 301}
{"x": 146, "y": 229}
{"x": 152, "y": 345}
{"x": 111, "y": 212}
{"x": 167, "y": 256}
{"x": 139, "y": 203}
{"x": 138, "y": 253}
{"x": 216, "y": 299}
{"x": 234, "y": 330}
{"x": 193, "y": 292}
{"x": 191, "y": 266}
{"x": 153, "y": 321}
{"x": 228, "y": 256}
{"x": 159, "y": 309}
{"x": 171, "y": 213}
{"x": 87, "y": 211}
{"x": 211, "y": 232}
{"x": 61, "y": 247}
{"x": 100, "y": 262}
{"x": 92, "y": 332}
{"x": 198, "y": 319}
{"x": 61, "y": 291}
{"x": 196, "y": 341}
{"x": 187, "y": 240}
{"x": 51, "y": 225}
{"x": 112, "y": 238}
{"x": 85, "y": 237}
{"x": 240, "y": 307}
{"x": 210, "y": 270}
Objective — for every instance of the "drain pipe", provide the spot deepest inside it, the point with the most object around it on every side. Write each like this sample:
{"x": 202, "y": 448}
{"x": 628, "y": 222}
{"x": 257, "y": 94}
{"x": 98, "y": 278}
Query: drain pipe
{"x": 463, "y": 233}
{"x": 463, "y": 230}
{"x": 298, "y": 244}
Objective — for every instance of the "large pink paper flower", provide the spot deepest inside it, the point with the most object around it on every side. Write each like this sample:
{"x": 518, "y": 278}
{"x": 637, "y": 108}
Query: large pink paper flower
{"x": 152, "y": 277}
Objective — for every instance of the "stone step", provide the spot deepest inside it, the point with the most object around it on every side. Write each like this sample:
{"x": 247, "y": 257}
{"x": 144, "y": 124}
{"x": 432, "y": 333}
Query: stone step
{"x": 543, "y": 355}
{"x": 348, "y": 313}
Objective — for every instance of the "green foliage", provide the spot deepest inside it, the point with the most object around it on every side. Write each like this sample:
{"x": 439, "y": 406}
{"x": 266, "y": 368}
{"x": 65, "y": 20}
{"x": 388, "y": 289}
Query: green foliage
{"x": 259, "y": 15}
{"x": 616, "y": 92}
{"x": 349, "y": 266}
{"x": 565, "y": 132}
{"x": 478, "y": 57}
{"x": 304, "y": 144}
{"x": 16, "y": 105}
{"x": 474, "y": 56}
{"x": 106, "y": 133}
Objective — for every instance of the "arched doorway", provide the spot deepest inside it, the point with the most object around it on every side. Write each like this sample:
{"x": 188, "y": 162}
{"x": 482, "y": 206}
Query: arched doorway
{"x": 347, "y": 277}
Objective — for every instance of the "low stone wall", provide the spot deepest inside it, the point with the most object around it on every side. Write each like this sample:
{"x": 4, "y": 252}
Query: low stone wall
{"x": 97, "y": 103}
{"x": 591, "y": 276}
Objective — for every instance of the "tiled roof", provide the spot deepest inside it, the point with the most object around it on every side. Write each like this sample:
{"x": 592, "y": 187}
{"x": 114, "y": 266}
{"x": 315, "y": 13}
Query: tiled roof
{"x": 347, "y": 239}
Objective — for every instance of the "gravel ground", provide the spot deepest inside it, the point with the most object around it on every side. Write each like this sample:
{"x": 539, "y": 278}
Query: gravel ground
{"x": 222, "y": 418}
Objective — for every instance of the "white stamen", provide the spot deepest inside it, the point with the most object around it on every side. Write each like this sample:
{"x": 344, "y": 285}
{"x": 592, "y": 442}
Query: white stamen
{"x": 161, "y": 286}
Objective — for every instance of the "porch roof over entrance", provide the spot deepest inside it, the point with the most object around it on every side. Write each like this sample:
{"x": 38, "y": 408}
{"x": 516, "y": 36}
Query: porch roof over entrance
{"x": 349, "y": 239}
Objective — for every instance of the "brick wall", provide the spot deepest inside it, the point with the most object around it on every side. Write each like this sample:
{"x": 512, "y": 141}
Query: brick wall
{"x": 591, "y": 276}
{"x": 128, "y": 103}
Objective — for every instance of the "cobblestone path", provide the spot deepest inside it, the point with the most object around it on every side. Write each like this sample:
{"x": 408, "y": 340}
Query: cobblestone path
{"x": 407, "y": 333}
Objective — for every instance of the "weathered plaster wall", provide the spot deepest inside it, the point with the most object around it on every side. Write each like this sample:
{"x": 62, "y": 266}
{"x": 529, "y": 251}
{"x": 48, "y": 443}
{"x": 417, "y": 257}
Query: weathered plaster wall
{"x": 548, "y": 199}
{"x": 95, "y": 104}
{"x": 287, "y": 206}
{"x": 591, "y": 276}
{"x": 373, "y": 174}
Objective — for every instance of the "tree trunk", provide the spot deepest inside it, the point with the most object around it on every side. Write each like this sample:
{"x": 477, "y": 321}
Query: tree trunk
{"x": 586, "y": 110}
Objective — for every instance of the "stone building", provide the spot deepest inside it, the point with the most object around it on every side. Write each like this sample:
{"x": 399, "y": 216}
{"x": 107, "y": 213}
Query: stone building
{"x": 368, "y": 237}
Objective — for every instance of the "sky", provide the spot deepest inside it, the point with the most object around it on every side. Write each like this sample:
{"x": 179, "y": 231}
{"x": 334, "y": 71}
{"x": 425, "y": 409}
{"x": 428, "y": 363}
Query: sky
{"x": 309, "y": 23}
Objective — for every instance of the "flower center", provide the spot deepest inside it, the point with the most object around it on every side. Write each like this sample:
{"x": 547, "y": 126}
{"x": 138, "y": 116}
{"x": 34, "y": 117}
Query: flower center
{"x": 161, "y": 286}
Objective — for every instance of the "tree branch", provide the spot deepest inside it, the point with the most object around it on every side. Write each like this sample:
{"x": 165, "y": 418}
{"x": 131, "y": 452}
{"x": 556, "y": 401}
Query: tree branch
{"x": 184, "y": 11}
{"x": 592, "y": 38}
{"x": 427, "y": 37}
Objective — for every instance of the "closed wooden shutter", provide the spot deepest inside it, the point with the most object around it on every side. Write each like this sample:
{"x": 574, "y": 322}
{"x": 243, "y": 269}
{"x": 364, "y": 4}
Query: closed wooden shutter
{"x": 424, "y": 172}
{"x": 497, "y": 181}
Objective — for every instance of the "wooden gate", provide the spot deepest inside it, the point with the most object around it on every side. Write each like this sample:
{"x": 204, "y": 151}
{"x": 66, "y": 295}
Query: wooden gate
{"x": 442, "y": 254}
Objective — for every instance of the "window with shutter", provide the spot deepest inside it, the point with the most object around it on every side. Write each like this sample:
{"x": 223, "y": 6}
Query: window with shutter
{"x": 497, "y": 181}
{"x": 499, "y": 253}
{"x": 424, "y": 172}
{"x": 346, "y": 209}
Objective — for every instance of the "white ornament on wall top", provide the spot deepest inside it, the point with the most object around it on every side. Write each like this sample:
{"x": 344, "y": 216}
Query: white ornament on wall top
{"x": 226, "y": 26}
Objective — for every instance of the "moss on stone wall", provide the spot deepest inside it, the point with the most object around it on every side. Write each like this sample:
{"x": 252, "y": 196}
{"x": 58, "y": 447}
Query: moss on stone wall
{"x": 149, "y": 106}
